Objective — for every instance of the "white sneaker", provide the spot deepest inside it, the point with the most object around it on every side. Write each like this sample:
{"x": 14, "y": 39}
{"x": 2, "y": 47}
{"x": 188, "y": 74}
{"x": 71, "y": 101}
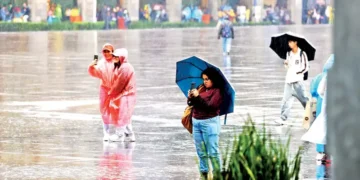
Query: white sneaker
{"x": 117, "y": 138}
{"x": 106, "y": 137}
{"x": 106, "y": 131}
{"x": 130, "y": 137}
{"x": 280, "y": 122}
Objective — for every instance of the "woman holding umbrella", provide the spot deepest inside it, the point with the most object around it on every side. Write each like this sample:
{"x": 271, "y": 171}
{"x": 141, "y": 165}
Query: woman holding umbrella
{"x": 205, "y": 118}
{"x": 297, "y": 52}
{"x": 213, "y": 98}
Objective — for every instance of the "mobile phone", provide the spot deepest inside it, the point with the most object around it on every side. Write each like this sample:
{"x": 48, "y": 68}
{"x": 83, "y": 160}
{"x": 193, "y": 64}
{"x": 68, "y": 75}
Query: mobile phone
{"x": 193, "y": 86}
{"x": 96, "y": 57}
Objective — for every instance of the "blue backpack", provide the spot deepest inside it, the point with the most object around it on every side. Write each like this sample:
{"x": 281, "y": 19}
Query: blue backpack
{"x": 226, "y": 30}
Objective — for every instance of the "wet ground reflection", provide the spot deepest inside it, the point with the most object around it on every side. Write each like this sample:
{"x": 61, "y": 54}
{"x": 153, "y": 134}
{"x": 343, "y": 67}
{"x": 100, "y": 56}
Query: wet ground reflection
{"x": 50, "y": 126}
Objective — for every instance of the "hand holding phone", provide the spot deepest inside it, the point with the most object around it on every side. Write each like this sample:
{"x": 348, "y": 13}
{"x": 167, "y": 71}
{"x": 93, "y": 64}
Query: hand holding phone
{"x": 96, "y": 57}
{"x": 193, "y": 86}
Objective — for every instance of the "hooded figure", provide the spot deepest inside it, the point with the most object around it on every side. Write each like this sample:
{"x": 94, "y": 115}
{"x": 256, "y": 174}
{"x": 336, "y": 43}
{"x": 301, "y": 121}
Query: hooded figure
{"x": 122, "y": 96}
{"x": 103, "y": 70}
{"x": 117, "y": 92}
{"x": 317, "y": 132}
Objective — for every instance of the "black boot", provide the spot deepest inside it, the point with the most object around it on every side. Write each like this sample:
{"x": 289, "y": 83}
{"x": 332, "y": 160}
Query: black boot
{"x": 204, "y": 175}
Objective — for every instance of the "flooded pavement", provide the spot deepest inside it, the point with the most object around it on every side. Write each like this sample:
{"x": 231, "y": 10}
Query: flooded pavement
{"x": 50, "y": 126}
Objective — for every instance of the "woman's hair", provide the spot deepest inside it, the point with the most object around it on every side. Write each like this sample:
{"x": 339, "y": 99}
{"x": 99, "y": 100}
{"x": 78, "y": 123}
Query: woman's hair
{"x": 214, "y": 76}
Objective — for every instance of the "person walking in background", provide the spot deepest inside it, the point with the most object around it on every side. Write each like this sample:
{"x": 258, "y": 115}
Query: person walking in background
{"x": 226, "y": 32}
{"x": 10, "y": 14}
{"x": 26, "y": 13}
{"x": 297, "y": 65}
{"x": 3, "y": 13}
{"x": 58, "y": 13}
{"x": 127, "y": 18}
{"x": 67, "y": 14}
{"x": 106, "y": 16}
{"x": 206, "y": 101}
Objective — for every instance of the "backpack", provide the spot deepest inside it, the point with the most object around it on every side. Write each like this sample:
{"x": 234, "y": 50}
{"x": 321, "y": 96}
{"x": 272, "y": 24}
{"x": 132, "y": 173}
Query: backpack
{"x": 306, "y": 74}
{"x": 226, "y": 30}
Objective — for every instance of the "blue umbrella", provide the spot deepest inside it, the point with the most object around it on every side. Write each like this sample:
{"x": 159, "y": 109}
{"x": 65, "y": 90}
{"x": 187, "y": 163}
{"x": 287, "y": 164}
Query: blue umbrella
{"x": 189, "y": 70}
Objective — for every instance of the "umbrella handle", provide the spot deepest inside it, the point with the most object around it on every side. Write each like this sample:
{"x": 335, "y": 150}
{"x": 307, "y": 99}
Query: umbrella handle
{"x": 225, "y": 119}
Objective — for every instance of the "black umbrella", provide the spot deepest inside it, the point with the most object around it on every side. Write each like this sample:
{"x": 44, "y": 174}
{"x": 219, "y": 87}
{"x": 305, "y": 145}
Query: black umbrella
{"x": 280, "y": 44}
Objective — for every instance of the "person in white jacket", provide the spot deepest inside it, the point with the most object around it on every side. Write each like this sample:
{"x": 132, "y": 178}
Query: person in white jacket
{"x": 297, "y": 65}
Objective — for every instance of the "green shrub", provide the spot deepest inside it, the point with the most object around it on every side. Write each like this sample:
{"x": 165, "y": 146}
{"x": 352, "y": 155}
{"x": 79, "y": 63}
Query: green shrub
{"x": 67, "y": 26}
{"x": 63, "y": 26}
{"x": 256, "y": 155}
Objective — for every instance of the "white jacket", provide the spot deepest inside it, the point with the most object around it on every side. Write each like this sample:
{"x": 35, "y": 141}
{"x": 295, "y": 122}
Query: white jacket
{"x": 297, "y": 66}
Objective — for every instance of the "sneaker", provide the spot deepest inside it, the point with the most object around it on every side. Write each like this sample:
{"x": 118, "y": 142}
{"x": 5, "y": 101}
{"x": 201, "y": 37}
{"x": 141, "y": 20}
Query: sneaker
{"x": 323, "y": 158}
{"x": 117, "y": 138}
{"x": 280, "y": 121}
{"x": 106, "y": 131}
{"x": 106, "y": 137}
{"x": 130, "y": 137}
{"x": 320, "y": 156}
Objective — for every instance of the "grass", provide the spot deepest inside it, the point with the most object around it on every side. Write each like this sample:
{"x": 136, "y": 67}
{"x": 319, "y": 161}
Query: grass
{"x": 255, "y": 155}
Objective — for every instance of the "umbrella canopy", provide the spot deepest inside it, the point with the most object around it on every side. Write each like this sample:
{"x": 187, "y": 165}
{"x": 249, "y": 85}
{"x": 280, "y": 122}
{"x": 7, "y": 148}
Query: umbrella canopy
{"x": 189, "y": 70}
{"x": 280, "y": 44}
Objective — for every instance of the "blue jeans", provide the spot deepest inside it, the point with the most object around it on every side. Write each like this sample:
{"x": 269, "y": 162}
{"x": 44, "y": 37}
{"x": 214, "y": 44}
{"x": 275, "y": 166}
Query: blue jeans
{"x": 296, "y": 89}
{"x": 107, "y": 24}
{"x": 206, "y": 136}
{"x": 226, "y": 44}
{"x": 3, "y": 17}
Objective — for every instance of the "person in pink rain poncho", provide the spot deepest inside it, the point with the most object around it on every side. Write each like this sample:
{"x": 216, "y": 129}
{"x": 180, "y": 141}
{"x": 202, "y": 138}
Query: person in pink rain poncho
{"x": 117, "y": 92}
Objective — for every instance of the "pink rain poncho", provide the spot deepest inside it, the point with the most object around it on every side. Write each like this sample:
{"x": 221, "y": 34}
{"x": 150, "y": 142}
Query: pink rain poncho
{"x": 117, "y": 90}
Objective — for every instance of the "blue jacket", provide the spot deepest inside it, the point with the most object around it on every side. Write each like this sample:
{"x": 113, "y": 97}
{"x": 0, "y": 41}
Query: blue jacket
{"x": 315, "y": 83}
